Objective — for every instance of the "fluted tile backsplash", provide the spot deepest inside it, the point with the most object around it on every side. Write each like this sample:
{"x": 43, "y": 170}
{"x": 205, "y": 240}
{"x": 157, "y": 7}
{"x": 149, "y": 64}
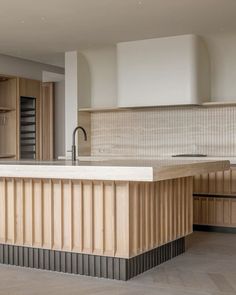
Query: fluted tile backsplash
{"x": 164, "y": 131}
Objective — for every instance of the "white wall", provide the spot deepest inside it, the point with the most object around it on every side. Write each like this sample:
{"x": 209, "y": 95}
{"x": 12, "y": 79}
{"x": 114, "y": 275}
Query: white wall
{"x": 97, "y": 72}
{"x": 71, "y": 97}
{"x": 59, "y": 119}
{"x": 14, "y": 66}
{"x": 222, "y": 52}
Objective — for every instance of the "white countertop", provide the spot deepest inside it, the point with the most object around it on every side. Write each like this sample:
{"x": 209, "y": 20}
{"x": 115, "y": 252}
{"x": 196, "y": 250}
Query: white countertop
{"x": 118, "y": 170}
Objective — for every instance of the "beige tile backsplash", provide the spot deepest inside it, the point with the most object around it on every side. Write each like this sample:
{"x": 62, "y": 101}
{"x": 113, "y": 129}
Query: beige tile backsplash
{"x": 164, "y": 131}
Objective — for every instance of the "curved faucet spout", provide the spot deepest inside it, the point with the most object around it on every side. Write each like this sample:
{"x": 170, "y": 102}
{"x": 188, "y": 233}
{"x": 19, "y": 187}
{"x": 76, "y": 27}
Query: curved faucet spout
{"x": 73, "y": 141}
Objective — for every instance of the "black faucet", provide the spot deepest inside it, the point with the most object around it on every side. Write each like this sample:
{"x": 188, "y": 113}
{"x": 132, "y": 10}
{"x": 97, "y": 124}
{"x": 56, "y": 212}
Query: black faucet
{"x": 73, "y": 141}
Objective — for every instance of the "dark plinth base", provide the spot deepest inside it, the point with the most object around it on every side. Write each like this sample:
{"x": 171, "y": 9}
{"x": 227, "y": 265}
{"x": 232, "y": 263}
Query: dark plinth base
{"x": 213, "y": 228}
{"x": 90, "y": 265}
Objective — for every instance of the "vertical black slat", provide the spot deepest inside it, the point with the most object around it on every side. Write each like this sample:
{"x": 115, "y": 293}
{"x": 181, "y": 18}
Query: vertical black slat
{"x": 155, "y": 257}
{"x": 31, "y": 257}
{"x": 68, "y": 262}
{"x": 181, "y": 246}
{"x": 16, "y": 255}
{"x": 110, "y": 267}
{"x": 74, "y": 263}
{"x": 11, "y": 255}
{"x": 138, "y": 261}
{"x": 163, "y": 253}
{"x": 141, "y": 263}
{"x": 160, "y": 254}
{"x": 134, "y": 267}
{"x": 41, "y": 259}
{"x": 63, "y": 261}
{"x": 52, "y": 260}
{"x": 131, "y": 267}
{"x": 91, "y": 265}
{"x": 104, "y": 266}
{"x": 80, "y": 264}
{"x": 116, "y": 268}
{"x": 98, "y": 266}
{"x": 168, "y": 251}
{"x": 47, "y": 259}
{"x": 36, "y": 258}
{"x": 26, "y": 256}
{"x": 21, "y": 256}
{"x": 86, "y": 264}
{"x": 137, "y": 264}
{"x": 1, "y": 254}
{"x": 6, "y": 256}
{"x": 144, "y": 258}
{"x": 176, "y": 248}
{"x": 149, "y": 258}
{"x": 57, "y": 261}
{"x": 172, "y": 249}
{"x": 123, "y": 269}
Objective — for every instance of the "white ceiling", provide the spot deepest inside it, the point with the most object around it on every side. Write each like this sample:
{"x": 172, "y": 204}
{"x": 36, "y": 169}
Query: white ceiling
{"x": 43, "y": 30}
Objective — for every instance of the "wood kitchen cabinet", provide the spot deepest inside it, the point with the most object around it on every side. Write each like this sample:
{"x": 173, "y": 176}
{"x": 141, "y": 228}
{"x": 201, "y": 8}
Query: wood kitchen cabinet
{"x": 26, "y": 119}
{"x": 214, "y": 200}
{"x": 8, "y": 117}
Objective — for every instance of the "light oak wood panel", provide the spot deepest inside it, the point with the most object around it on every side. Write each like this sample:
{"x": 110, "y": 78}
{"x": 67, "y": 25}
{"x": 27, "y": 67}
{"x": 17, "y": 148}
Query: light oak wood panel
{"x": 47, "y": 119}
{"x": 120, "y": 219}
{"x": 8, "y": 121}
{"x": 215, "y": 211}
{"x": 159, "y": 212}
{"x": 221, "y": 182}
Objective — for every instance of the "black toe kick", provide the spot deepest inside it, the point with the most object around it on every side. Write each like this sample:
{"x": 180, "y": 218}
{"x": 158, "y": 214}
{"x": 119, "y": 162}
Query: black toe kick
{"x": 90, "y": 265}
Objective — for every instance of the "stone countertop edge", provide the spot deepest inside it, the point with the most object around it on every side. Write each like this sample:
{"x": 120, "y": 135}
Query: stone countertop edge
{"x": 138, "y": 170}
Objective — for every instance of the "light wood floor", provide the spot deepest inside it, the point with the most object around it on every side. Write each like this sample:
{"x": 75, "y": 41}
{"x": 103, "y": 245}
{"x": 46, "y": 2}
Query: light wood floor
{"x": 207, "y": 268}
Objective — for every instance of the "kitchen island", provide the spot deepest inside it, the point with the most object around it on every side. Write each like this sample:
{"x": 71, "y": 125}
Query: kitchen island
{"x": 112, "y": 219}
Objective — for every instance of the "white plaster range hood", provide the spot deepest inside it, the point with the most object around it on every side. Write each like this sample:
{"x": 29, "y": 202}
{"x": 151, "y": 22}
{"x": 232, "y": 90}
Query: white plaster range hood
{"x": 163, "y": 71}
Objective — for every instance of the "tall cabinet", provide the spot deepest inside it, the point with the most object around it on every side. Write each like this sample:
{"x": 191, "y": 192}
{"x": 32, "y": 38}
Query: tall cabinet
{"x": 28, "y": 111}
{"x": 26, "y": 120}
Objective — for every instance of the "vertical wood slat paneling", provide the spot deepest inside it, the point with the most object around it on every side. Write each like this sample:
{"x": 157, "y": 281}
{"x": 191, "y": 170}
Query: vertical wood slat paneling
{"x": 103, "y": 218}
{"x": 217, "y": 212}
{"x": 221, "y": 182}
{"x": 167, "y": 205}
